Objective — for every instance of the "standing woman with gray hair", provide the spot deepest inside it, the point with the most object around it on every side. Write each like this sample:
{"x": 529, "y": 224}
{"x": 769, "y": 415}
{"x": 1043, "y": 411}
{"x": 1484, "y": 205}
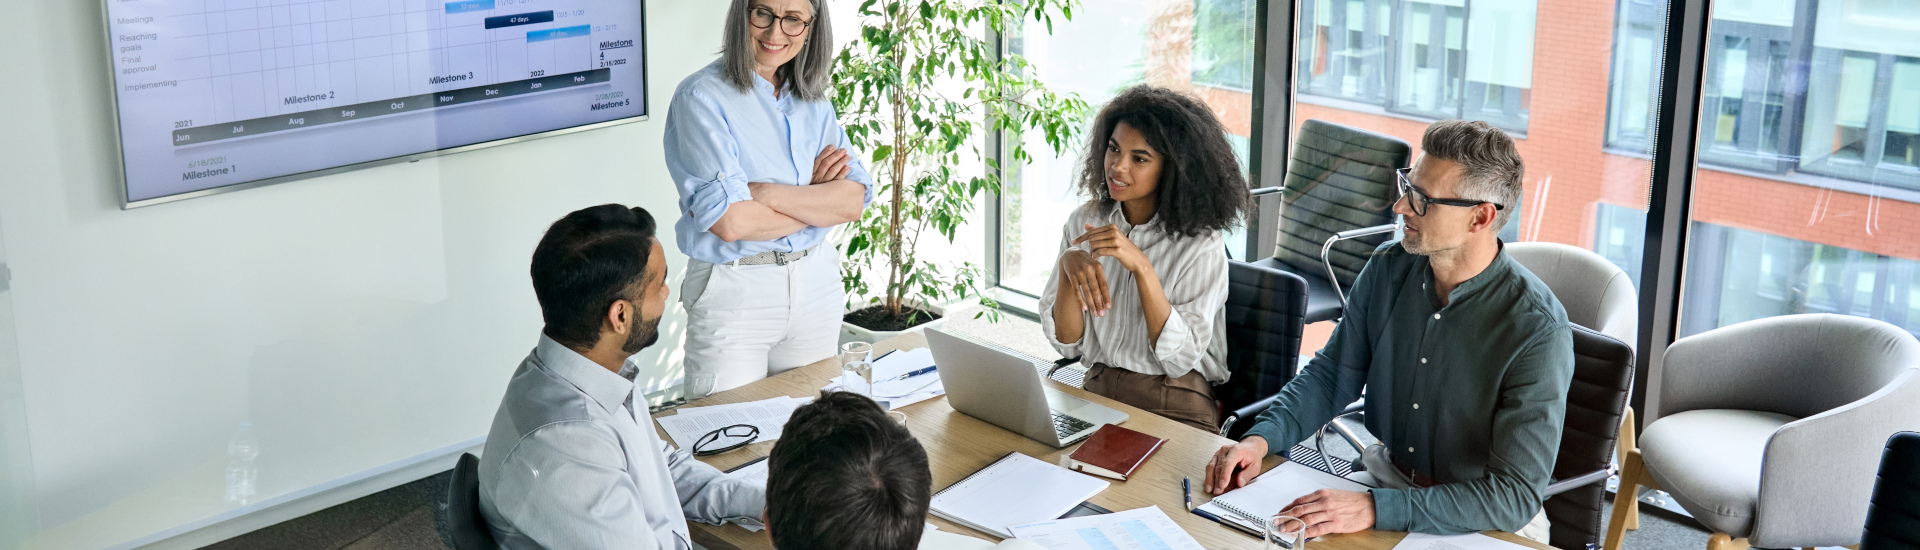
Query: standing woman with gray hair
{"x": 764, "y": 173}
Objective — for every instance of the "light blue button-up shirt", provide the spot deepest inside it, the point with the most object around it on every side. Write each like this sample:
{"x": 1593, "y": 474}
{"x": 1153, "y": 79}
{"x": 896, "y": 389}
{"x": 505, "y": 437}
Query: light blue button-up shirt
{"x": 570, "y": 463}
{"x": 719, "y": 139}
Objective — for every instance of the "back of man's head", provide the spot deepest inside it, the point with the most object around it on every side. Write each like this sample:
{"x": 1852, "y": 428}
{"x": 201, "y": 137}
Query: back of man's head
{"x": 587, "y": 260}
{"x": 1491, "y": 164}
{"x": 845, "y": 477}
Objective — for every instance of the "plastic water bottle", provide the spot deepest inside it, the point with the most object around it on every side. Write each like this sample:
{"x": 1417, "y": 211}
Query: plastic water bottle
{"x": 241, "y": 474}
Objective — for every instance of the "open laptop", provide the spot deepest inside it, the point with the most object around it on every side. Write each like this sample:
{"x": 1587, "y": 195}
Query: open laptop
{"x": 990, "y": 384}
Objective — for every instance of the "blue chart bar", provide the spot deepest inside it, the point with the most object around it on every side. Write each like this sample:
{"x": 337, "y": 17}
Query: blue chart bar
{"x": 1144, "y": 535}
{"x": 556, "y": 34}
{"x": 1096, "y": 539}
{"x": 519, "y": 19}
{"x": 464, "y": 6}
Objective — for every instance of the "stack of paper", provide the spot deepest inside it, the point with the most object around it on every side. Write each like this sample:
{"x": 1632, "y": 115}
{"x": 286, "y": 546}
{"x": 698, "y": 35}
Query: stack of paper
{"x": 1016, "y": 490}
{"x": 770, "y": 415}
{"x": 900, "y": 393}
{"x": 1143, "y": 528}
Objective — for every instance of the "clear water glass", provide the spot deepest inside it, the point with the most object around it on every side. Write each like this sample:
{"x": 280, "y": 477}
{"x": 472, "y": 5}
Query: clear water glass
{"x": 855, "y": 351}
{"x": 857, "y": 377}
{"x": 1286, "y": 533}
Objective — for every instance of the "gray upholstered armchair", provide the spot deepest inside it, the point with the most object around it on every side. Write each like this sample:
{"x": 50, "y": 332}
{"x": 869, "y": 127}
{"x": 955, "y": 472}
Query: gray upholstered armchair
{"x": 1768, "y": 431}
{"x": 1597, "y": 294}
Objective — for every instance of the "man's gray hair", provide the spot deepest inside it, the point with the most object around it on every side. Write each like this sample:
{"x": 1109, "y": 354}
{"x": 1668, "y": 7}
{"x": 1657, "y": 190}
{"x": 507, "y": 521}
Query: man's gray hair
{"x": 1487, "y": 155}
{"x": 808, "y": 74}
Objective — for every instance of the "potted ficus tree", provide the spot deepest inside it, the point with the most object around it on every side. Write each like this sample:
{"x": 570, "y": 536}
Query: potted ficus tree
{"x": 915, "y": 93}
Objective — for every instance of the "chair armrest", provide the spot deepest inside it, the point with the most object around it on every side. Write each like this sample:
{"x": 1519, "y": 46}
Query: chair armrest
{"x": 1246, "y": 413}
{"x": 1061, "y": 362}
{"x": 1346, "y": 433}
{"x": 1818, "y": 472}
{"x": 1327, "y": 249}
{"x": 1576, "y": 482}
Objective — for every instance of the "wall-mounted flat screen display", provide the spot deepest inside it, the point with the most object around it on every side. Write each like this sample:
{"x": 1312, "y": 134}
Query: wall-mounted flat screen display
{"x": 216, "y": 95}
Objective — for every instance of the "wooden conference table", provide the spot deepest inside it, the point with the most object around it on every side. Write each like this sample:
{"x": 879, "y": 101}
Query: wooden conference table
{"x": 958, "y": 445}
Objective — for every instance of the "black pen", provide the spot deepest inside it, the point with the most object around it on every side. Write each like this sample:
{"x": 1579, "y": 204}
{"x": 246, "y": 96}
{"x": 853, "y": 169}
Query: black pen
{"x": 1186, "y": 490}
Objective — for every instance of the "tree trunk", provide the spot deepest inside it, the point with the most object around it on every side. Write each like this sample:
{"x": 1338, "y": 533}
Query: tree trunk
{"x": 895, "y": 242}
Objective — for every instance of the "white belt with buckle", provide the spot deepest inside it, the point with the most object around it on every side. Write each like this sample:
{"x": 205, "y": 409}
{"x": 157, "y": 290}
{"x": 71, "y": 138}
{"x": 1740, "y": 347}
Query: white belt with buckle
{"x": 773, "y": 257}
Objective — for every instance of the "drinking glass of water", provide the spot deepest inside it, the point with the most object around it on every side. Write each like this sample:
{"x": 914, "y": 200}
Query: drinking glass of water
{"x": 1286, "y": 533}
{"x": 855, "y": 351}
{"x": 857, "y": 377}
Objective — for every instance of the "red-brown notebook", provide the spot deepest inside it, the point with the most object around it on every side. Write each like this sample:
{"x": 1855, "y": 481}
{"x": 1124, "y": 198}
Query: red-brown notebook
{"x": 1114, "y": 452}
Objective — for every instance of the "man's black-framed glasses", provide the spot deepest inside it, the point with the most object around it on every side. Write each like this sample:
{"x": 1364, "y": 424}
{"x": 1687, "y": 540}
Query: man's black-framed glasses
{"x": 764, "y": 17}
{"x": 726, "y": 439}
{"x": 1418, "y": 201}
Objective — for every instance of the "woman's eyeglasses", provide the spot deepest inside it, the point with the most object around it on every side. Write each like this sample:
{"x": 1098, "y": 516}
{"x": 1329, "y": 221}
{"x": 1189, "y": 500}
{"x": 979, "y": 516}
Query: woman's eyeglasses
{"x": 789, "y": 25}
{"x": 1419, "y": 201}
{"x": 726, "y": 439}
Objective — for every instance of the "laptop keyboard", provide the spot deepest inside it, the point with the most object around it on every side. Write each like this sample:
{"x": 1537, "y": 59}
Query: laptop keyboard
{"x": 1065, "y": 426}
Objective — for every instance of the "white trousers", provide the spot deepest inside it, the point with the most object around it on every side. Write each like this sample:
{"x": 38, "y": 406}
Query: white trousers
{"x": 748, "y": 322}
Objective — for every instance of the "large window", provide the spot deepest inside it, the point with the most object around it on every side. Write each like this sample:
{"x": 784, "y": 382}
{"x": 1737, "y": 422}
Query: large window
{"x": 1488, "y": 60}
{"x": 1202, "y": 47}
{"x": 1805, "y": 199}
{"x": 1821, "y": 93}
{"x": 1432, "y": 59}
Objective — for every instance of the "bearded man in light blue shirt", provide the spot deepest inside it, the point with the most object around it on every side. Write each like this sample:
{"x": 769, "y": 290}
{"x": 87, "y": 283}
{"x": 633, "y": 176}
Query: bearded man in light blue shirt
{"x": 570, "y": 462}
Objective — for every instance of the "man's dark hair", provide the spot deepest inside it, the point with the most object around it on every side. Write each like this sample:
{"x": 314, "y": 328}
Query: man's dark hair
{"x": 1200, "y": 188}
{"x": 845, "y": 477}
{"x": 587, "y": 260}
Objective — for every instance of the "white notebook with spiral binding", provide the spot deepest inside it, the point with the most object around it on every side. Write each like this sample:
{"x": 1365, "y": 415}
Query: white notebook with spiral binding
{"x": 1250, "y": 506}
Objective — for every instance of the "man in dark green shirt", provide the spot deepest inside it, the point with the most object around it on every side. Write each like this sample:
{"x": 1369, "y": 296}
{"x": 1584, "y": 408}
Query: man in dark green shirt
{"x": 1464, "y": 354}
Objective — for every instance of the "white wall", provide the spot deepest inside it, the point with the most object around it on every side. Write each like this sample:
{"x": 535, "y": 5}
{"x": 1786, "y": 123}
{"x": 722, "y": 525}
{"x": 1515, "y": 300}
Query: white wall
{"x": 359, "y": 321}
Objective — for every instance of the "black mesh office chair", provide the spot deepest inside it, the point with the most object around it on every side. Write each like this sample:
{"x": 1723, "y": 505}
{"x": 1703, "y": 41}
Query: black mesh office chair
{"x": 465, "y": 528}
{"x": 1893, "y": 516}
{"x": 1339, "y": 194}
{"x": 1266, "y": 312}
{"x": 1596, "y": 400}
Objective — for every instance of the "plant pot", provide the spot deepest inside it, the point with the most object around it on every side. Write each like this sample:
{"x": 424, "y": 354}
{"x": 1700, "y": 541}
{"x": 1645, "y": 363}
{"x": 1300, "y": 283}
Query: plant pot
{"x": 850, "y": 332}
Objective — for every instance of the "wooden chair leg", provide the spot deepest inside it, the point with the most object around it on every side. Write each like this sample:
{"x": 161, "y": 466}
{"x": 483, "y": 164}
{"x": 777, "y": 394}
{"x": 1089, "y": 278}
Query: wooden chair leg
{"x": 1631, "y": 471}
{"x": 1629, "y": 437}
{"x": 1629, "y": 441}
{"x": 1720, "y": 541}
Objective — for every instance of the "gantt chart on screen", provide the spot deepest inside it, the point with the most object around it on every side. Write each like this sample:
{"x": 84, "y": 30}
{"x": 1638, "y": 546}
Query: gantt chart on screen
{"x": 215, "y": 93}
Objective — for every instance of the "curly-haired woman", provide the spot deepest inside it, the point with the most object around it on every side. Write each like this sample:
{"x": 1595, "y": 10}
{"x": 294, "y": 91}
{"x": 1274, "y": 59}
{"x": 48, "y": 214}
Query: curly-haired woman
{"x": 1139, "y": 288}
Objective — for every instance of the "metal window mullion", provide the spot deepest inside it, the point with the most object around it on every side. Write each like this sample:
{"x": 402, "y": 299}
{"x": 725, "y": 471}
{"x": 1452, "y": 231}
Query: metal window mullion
{"x": 1753, "y": 101}
{"x": 1390, "y": 54}
{"x": 996, "y": 214}
{"x": 1877, "y": 113}
{"x": 1799, "y": 67}
{"x": 1675, "y": 149}
{"x": 1375, "y": 64}
{"x": 1274, "y": 52}
{"x": 1466, "y": 29}
{"x": 1337, "y": 48}
{"x": 1302, "y": 64}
